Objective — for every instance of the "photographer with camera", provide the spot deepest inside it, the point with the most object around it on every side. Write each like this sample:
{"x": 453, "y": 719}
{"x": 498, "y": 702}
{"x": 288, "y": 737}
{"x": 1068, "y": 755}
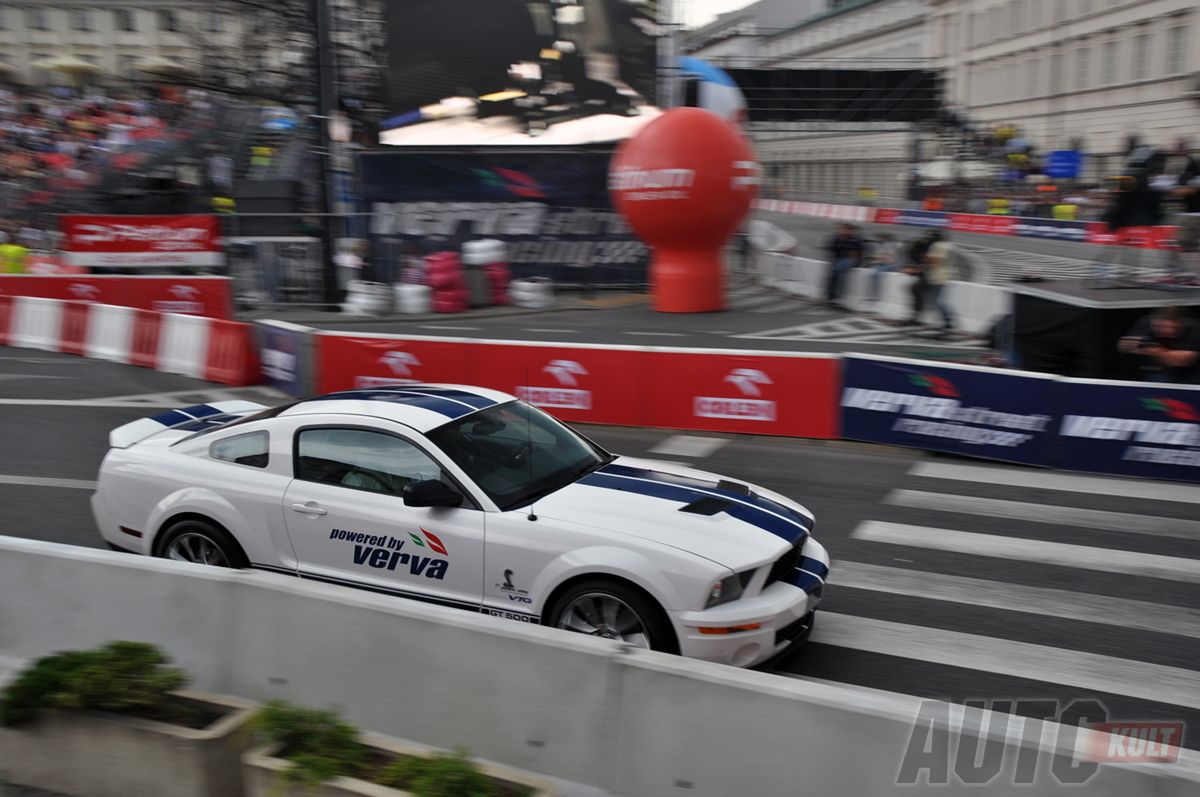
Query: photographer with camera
{"x": 1169, "y": 342}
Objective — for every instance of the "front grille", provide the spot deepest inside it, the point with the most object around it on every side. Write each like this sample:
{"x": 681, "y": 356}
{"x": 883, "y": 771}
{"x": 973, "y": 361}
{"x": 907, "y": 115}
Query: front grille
{"x": 784, "y": 566}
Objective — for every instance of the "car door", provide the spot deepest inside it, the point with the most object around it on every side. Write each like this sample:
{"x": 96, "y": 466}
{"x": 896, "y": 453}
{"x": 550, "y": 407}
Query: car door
{"x": 349, "y": 524}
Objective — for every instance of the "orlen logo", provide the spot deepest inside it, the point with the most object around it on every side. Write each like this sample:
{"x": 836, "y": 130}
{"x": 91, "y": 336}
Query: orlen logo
{"x": 1134, "y": 742}
{"x": 84, "y": 292}
{"x": 746, "y": 175}
{"x": 1172, "y": 408}
{"x": 567, "y": 396}
{"x": 749, "y": 382}
{"x": 934, "y": 384}
{"x": 399, "y": 363}
{"x": 184, "y": 301}
{"x": 646, "y": 184}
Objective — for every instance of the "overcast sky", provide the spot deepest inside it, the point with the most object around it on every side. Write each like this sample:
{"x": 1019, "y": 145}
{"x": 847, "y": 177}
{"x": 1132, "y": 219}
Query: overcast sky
{"x": 693, "y": 13}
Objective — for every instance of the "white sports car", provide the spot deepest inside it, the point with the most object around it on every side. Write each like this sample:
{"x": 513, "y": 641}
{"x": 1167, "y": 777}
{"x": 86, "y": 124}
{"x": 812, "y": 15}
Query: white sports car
{"x": 474, "y": 499}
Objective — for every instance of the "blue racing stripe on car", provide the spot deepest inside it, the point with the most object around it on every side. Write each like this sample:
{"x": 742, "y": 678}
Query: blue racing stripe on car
{"x": 757, "y": 501}
{"x": 172, "y": 418}
{"x": 806, "y": 581}
{"x": 474, "y": 399}
{"x": 449, "y": 407}
{"x": 752, "y": 515}
{"x": 814, "y": 566}
{"x": 200, "y": 411}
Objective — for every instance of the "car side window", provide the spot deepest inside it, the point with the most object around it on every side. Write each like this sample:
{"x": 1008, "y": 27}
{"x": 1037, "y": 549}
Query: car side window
{"x": 250, "y": 449}
{"x": 362, "y": 460}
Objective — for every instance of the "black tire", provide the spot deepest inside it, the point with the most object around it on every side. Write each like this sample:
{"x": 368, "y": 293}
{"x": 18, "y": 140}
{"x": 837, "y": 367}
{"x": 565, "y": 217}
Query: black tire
{"x": 653, "y": 622}
{"x": 195, "y": 540}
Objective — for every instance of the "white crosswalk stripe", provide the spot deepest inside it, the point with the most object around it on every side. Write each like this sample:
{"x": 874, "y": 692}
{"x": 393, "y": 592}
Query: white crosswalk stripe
{"x": 1154, "y": 682}
{"x": 863, "y": 329}
{"x": 1044, "y": 513}
{"x": 1027, "y": 550}
{"x": 1031, "y": 477}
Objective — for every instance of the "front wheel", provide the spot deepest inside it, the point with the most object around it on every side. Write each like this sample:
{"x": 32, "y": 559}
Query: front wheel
{"x": 610, "y": 610}
{"x": 202, "y": 543}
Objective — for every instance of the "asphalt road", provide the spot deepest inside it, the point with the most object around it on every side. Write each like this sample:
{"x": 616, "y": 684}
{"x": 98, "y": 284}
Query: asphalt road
{"x": 951, "y": 580}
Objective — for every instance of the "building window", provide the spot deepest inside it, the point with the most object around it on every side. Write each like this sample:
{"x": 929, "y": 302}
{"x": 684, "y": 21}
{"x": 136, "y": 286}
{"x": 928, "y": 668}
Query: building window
{"x": 1177, "y": 50}
{"x": 1058, "y": 78}
{"x": 168, "y": 21}
{"x": 1083, "y": 68}
{"x": 123, "y": 20}
{"x": 126, "y": 64}
{"x": 81, "y": 19}
{"x": 3, "y": 19}
{"x": 1015, "y": 21}
{"x": 1110, "y": 63}
{"x": 1033, "y": 78}
{"x": 1141, "y": 57}
{"x": 1085, "y": 7}
{"x": 36, "y": 19}
{"x": 1033, "y": 13}
{"x": 214, "y": 22}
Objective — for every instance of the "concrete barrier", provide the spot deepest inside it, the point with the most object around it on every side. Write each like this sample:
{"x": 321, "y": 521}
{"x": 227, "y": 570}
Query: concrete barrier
{"x": 529, "y": 697}
{"x": 977, "y": 306}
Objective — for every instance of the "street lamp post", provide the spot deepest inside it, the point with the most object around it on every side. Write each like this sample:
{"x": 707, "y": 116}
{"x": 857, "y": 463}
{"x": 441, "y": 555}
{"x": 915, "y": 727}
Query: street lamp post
{"x": 326, "y": 104}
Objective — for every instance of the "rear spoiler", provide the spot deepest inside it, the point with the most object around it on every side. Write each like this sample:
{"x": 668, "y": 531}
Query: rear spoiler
{"x": 191, "y": 419}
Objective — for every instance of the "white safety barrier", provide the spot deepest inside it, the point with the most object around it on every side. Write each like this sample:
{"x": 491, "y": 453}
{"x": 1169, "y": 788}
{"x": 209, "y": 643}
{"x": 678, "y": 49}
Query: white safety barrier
{"x": 110, "y": 333}
{"x": 35, "y": 323}
{"x": 564, "y": 705}
{"x": 976, "y": 306}
{"x": 183, "y": 345}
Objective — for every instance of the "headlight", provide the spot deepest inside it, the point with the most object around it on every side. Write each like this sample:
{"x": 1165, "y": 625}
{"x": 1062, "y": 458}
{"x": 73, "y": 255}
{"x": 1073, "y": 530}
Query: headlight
{"x": 726, "y": 590}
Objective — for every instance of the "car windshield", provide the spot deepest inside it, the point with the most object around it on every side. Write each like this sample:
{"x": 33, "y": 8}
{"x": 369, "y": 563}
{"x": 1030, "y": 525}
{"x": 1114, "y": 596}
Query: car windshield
{"x": 516, "y": 453}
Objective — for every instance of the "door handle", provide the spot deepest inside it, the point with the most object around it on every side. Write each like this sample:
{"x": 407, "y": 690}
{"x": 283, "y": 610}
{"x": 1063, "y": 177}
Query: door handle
{"x": 311, "y": 508}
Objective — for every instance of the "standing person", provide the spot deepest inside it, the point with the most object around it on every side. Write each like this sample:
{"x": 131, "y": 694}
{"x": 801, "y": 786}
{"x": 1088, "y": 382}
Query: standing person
{"x": 846, "y": 251}
{"x": 885, "y": 258}
{"x": 941, "y": 269}
{"x": 1170, "y": 343}
{"x": 916, "y": 266}
{"x": 12, "y": 256}
{"x": 1187, "y": 190}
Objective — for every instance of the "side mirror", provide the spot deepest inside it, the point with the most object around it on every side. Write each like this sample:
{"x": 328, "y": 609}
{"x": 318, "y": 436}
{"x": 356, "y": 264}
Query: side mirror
{"x": 430, "y": 493}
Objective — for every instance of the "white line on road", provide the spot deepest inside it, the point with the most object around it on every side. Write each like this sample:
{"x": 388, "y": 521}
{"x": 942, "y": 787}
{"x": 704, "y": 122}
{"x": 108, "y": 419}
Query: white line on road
{"x": 1113, "y": 560}
{"x": 1095, "y": 485}
{"x": 1045, "y": 513}
{"x": 40, "y": 481}
{"x": 447, "y": 326}
{"x": 682, "y": 445}
{"x": 1140, "y": 680}
{"x": 659, "y": 334}
{"x": 556, "y": 331}
{"x": 1042, "y": 601}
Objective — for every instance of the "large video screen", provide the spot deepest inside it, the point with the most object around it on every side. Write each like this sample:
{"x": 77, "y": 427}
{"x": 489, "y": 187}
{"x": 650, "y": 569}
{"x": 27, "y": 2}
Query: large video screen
{"x": 533, "y": 63}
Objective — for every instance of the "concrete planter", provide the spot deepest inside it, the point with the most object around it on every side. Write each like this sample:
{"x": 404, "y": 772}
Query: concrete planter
{"x": 94, "y": 754}
{"x": 263, "y": 774}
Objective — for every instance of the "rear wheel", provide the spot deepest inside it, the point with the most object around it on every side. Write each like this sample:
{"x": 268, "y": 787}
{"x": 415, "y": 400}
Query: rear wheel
{"x": 201, "y": 542}
{"x": 610, "y": 610}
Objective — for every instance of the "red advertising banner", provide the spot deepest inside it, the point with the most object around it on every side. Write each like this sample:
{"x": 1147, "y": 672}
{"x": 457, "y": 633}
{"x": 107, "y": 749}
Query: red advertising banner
{"x": 124, "y": 241}
{"x": 751, "y": 393}
{"x": 723, "y": 391}
{"x": 211, "y": 297}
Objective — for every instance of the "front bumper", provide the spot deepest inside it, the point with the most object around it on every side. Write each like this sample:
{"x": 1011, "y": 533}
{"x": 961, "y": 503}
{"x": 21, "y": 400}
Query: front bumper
{"x": 783, "y": 613}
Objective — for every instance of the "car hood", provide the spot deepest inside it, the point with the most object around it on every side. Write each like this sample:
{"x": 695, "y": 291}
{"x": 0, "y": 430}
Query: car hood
{"x": 644, "y": 498}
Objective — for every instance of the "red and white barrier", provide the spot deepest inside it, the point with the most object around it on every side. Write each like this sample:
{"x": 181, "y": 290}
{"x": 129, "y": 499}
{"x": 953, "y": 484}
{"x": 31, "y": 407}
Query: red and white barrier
{"x": 208, "y": 296}
{"x": 205, "y": 348}
{"x": 720, "y": 390}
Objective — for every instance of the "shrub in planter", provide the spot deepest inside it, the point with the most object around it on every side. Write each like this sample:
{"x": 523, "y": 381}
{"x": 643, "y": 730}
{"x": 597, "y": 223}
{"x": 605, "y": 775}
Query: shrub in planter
{"x": 313, "y": 752}
{"x": 113, "y": 722}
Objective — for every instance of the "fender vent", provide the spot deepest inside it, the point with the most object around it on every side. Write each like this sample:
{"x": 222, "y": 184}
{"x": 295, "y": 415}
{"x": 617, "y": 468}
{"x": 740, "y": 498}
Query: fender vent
{"x": 707, "y": 506}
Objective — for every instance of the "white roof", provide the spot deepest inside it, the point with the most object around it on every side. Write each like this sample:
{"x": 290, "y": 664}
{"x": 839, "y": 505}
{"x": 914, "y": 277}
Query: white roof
{"x": 423, "y": 407}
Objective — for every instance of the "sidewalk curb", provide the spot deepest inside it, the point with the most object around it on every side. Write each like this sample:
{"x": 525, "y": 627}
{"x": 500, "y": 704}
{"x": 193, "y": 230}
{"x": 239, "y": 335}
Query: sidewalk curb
{"x": 353, "y": 320}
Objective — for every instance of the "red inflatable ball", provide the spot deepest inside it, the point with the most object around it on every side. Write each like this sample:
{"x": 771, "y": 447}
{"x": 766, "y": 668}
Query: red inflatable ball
{"x": 685, "y": 182}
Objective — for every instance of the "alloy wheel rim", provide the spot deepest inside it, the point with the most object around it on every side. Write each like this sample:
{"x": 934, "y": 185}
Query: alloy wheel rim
{"x": 602, "y": 615}
{"x": 197, "y": 549}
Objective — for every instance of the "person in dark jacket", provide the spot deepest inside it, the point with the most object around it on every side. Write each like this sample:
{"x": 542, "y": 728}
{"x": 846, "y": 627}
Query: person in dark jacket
{"x": 846, "y": 251}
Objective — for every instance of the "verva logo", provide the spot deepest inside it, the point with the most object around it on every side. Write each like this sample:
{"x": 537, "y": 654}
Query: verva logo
{"x": 749, "y": 382}
{"x": 1173, "y": 408}
{"x": 1134, "y": 742}
{"x": 567, "y": 395}
{"x": 399, "y": 363}
{"x": 936, "y": 385}
{"x": 435, "y": 543}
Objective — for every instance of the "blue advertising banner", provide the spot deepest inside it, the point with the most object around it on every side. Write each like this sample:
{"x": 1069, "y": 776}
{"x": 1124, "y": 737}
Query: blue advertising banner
{"x": 1150, "y": 430}
{"x": 1064, "y": 164}
{"x": 283, "y": 354}
{"x": 978, "y": 412}
{"x": 549, "y": 206}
